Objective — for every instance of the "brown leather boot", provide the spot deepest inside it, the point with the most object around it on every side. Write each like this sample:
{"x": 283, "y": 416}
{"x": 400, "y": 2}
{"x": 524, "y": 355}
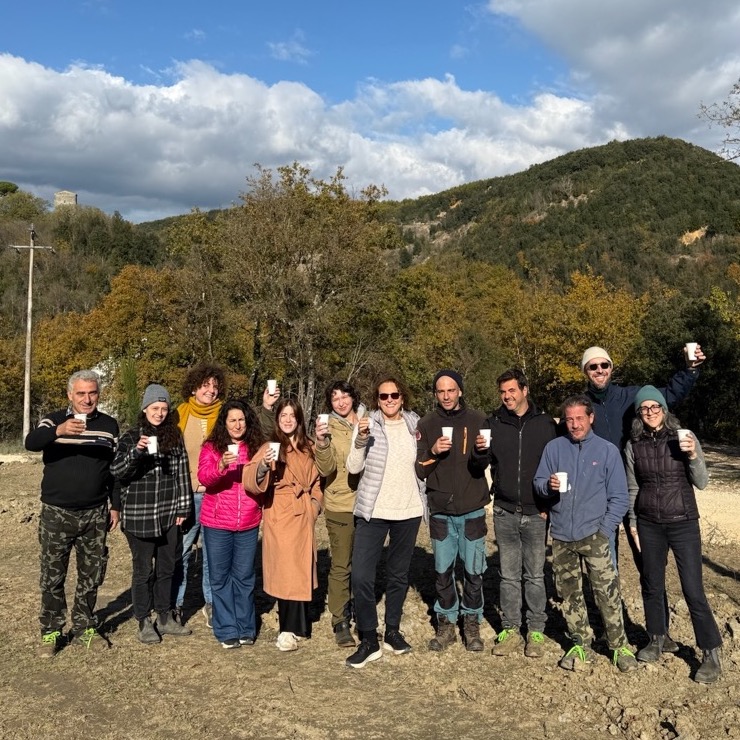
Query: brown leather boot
{"x": 471, "y": 632}
{"x": 446, "y": 635}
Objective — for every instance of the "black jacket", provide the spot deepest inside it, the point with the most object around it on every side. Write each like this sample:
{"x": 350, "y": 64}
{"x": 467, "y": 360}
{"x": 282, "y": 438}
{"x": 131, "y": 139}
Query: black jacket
{"x": 77, "y": 467}
{"x": 456, "y": 481}
{"x": 516, "y": 447}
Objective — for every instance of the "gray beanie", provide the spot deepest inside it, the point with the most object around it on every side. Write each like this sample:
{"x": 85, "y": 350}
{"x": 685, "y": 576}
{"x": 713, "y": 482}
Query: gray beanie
{"x": 155, "y": 393}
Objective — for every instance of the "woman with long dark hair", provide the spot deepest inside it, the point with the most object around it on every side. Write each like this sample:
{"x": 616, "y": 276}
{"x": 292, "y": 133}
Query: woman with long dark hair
{"x": 664, "y": 463}
{"x": 152, "y": 466}
{"x": 230, "y": 519}
{"x": 390, "y": 503}
{"x": 290, "y": 484}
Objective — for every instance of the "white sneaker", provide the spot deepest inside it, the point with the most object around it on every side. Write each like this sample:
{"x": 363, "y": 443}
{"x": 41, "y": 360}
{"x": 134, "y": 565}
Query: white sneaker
{"x": 286, "y": 642}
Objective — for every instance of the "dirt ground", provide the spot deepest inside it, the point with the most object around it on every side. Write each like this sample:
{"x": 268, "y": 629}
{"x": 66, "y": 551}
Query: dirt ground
{"x": 191, "y": 687}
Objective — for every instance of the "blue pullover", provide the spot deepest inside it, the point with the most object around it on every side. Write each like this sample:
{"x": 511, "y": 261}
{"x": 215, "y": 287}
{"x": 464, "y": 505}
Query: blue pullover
{"x": 597, "y": 497}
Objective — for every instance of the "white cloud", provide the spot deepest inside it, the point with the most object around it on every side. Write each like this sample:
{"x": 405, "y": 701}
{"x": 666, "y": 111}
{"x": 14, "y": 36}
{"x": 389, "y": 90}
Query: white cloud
{"x": 191, "y": 136}
{"x": 292, "y": 50}
{"x": 646, "y": 64}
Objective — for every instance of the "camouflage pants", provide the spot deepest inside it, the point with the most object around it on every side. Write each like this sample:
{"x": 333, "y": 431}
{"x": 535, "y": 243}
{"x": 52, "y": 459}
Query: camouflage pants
{"x": 566, "y": 562}
{"x": 59, "y": 531}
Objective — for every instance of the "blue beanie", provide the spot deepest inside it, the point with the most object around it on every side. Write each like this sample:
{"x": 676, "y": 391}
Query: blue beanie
{"x": 649, "y": 393}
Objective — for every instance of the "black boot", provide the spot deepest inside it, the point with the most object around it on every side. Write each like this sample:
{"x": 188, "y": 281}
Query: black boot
{"x": 711, "y": 667}
{"x": 167, "y": 624}
{"x": 652, "y": 651}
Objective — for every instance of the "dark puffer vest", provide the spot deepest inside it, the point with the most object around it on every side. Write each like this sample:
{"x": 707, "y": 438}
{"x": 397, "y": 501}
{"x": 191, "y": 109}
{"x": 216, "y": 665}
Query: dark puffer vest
{"x": 662, "y": 473}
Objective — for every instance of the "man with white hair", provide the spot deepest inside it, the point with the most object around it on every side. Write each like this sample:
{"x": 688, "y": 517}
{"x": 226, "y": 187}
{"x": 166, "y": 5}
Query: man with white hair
{"x": 78, "y": 444}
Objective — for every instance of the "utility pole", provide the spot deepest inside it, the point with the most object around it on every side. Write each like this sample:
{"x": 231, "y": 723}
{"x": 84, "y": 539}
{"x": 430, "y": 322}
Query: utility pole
{"x": 29, "y": 314}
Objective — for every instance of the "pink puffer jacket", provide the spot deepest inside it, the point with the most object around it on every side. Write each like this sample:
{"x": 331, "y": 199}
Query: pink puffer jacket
{"x": 226, "y": 505}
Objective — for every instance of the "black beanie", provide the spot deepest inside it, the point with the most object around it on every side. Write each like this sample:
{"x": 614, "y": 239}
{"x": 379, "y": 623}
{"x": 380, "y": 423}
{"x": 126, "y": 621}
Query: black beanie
{"x": 449, "y": 374}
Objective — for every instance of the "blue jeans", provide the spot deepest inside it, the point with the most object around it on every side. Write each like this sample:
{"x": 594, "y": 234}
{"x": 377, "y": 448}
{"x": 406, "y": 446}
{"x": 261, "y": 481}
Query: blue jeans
{"x": 684, "y": 539}
{"x": 461, "y": 536}
{"x": 521, "y": 541}
{"x": 232, "y": 577}
{"x": 366, "y": 552}
{"x": 180, "y": 580}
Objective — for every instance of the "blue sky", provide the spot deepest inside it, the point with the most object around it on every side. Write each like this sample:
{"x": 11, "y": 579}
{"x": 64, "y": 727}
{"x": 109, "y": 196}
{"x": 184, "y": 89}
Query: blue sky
{"x": 153, "y": 108}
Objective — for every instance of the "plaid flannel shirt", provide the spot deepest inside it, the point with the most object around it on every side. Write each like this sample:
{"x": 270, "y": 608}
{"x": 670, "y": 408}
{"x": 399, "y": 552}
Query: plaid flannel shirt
{"x": 155, "y": 489}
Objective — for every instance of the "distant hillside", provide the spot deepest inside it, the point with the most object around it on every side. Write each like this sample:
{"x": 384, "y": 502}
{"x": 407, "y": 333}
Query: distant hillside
{"x": 632, "y": 211}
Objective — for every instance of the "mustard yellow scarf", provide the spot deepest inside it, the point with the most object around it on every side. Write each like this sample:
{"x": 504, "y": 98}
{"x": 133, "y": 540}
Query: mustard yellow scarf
{"x": 209, "y": 412}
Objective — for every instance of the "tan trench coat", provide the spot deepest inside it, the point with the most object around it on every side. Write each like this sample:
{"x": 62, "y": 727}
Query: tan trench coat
{"x": 288, "y": 519}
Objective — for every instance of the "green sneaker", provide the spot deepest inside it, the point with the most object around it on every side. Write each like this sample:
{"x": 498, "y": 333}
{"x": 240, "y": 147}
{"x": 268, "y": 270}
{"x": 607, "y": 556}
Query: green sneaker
{"x": 624, "y": 659}
{"x": 577, "y": 658}
{"x": 49, "y": 644}
{"x": 508, "y": 640}
{"x": 90, "y": 639}
{"x": 535, "y": 647}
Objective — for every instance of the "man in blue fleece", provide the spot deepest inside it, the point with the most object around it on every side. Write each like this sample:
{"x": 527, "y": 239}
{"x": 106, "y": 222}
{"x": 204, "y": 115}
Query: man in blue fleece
{"x": 584, "y": 513}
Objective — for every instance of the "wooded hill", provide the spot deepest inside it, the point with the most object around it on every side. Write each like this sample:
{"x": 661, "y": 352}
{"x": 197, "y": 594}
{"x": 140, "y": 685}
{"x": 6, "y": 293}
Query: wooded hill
{"x": 632, "y": 245}
{"x": 631, "y": 211}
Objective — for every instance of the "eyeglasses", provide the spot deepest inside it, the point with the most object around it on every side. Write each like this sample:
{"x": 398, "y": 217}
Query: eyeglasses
{"x": 597, "y": 365}
{"x": 385, "y": 396}
{"x": 645, "y": 410}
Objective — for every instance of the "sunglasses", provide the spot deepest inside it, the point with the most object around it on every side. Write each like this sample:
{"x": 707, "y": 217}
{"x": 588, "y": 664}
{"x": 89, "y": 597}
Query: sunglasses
{"x": 597, "y": 365}
{"x": 385, "y": 396}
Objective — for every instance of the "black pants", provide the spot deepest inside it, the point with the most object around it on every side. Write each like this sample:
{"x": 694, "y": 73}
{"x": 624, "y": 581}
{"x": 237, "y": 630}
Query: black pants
{"x": 293, "y": 617}
{"x": 153, "y": 563}
{"x": 684, "y": 539}
{"x": 368, "y": 547}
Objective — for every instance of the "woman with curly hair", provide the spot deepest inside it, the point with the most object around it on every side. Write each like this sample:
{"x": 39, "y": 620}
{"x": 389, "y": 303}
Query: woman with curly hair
{"x": 289, "y": 484}
{"x": 152, "y": 467}
{"x": 203, "y": 389}
{"x": 230, "y": 519}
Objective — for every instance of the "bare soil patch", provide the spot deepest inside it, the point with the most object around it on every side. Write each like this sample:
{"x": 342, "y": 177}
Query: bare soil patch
{"x": 188, "y": 687}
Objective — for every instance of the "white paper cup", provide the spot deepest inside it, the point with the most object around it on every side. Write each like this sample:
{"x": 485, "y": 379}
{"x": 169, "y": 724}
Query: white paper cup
{"x": 271, "y": 386}
{"x": 275, "y": 447}
{"x": 151, "y": 445}
{"x": 233, "y": 449}
{"x": 81, "y": 417}
{"x": 447, "y": 432}
{"x": 691, "y": 350}
{"x": 324, "y": 418}
{"x": 683, "y": 434}
{"x": 486, "y": 433}
{"x": 563, "y": 478}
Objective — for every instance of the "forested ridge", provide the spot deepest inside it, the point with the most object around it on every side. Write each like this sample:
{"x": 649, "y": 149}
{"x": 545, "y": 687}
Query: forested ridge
{"x": 632, "y": 245}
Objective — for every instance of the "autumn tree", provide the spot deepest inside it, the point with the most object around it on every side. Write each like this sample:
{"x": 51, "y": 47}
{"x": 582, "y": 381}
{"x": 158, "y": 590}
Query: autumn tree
{"x": 305, "y": 259}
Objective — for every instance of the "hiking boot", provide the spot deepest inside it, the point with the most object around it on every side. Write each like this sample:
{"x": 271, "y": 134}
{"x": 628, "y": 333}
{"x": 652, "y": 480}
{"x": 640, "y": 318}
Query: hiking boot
{"x": 90, "y": 639}
{"x": 207, "y": 612}
{"x": 286, "y": 642}
{"x": 535, "y": 647}
{"x": 711, "y": 667}
{"x": 446, "y": 635}
{"x": 471, "y": 633}
{"x": 342, "y": 634}
{"x": 624, "y": 659}
{"x": 167, "y": 624}
{"x": 577, "y": 658}
{"x": 394, "y": 642}
{"x": 507, "y": 641}
{"x": 368, "y": 651}
{"x": 652, "y": 651}
{"x": 231, "y": 643}
{"x": 50, "y": 644}
{"x": 669, "y": 645}
{"x": 147, "y": 634}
